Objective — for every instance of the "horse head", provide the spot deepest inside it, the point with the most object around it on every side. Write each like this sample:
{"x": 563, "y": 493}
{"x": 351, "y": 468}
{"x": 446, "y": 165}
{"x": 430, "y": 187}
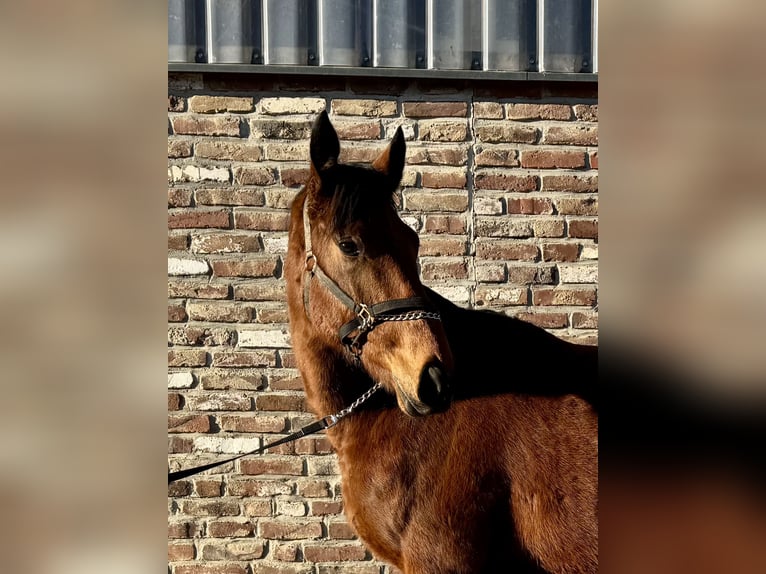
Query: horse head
{"x": 347, "y": 231}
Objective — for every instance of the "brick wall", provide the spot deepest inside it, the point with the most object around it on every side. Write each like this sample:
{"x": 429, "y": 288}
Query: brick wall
{"x": 501, "y": 183}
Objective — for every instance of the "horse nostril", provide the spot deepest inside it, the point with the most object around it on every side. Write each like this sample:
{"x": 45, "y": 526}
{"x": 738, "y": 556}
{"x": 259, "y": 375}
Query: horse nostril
{"x": 434, "y": 388}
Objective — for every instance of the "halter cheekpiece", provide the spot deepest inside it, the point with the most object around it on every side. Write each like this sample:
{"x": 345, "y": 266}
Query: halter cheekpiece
{"x": 366, "y": 317}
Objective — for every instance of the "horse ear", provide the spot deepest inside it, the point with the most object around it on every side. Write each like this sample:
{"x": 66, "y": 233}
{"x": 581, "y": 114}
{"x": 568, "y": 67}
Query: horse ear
{"x": 324, "y": 147}
{"x": 391, "y": 161}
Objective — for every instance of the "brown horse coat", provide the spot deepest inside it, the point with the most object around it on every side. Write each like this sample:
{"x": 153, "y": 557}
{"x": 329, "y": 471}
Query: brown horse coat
{"x": 504, "y": 480}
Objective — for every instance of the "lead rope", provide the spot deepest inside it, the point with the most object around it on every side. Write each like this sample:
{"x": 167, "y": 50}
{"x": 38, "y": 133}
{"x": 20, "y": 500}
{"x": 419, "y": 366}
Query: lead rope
{"x": 325, "y": 423}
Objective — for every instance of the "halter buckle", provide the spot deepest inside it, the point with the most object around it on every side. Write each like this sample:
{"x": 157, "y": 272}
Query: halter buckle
{"x": 366, "y": 318}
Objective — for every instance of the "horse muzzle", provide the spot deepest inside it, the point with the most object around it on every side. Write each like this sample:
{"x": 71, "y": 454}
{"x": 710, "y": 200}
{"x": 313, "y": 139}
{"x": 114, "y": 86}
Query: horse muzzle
{"x": 434, "y": 392}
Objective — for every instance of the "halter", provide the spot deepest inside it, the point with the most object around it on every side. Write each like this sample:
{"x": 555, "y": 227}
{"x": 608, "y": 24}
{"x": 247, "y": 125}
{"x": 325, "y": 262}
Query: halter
{"x": 366, "y": 316}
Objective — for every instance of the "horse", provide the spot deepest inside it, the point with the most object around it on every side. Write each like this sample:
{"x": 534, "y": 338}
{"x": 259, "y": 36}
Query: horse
{"x": 474, "y": 448}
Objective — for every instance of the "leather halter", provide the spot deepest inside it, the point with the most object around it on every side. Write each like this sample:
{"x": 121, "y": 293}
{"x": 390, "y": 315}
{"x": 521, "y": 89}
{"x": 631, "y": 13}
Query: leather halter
{"x": 366, "y": 316}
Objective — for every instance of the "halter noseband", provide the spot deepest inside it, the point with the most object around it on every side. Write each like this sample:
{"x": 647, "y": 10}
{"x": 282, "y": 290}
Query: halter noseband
{"x": 366, "y": 316}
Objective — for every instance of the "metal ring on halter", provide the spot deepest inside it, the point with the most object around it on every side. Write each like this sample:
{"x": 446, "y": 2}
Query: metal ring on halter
{"x": 310, "y": 257}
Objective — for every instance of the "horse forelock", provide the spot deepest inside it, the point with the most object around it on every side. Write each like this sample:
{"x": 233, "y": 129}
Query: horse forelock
{"x": 354, "y": 194}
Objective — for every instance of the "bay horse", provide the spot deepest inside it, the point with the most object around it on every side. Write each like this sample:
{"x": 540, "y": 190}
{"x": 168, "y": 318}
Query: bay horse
{"x": 478, "y": 452}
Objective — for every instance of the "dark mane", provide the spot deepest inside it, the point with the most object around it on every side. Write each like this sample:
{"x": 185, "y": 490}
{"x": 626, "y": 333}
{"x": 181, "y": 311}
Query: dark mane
{"x": 358, "y": 194}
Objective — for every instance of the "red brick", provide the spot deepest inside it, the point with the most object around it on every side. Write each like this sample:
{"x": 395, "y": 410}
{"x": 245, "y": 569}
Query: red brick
{"x": 244, "y": 359}
{"x": 436, "y": 201}
{"x": 327, "y": 553}
{"x": 231, "y": 151}
{"x": 217, "y": 401}
{"x": 538, "y": 112}
{"x": 183, "y": 529}
{"x": 531, "y": 274}
{"x": 188, "y": 423}
{"x": 274, "y": 402}
{"x": 176, "y": 313}
{"x": 247, "y": 549}
{"x": 369, "y": 108}
{"x": 208, "y": 488}
{"x": 314, "y": 489}
{"x": 197, "y": 290}
{"x": 175, "y": 402}
{"x": 369, "y": 130}
{"x": 341, "y": 531}
{"x": 229, "y": 529}
{"x": 545, "y": 320}
{"x": 564, "y": 296}
{"x": 217, "y": 104}
{"x": 275, "y": 530}
{"x": 180, "y": 551}
{"x": 435, "y": 156}
{"x": 201, "y": 335}
{"x": 227, "y": 380}
{"x": 584, "y": 321}
{"x": 494, "y": 272}
{"x": 442, "y": 245}
{"x": 252, "y": 267}
{"x": 349, "y": 154}
{"x": 444, "y": 180}
{"x": 497, "y": 296}
{"x": 285, "y": 552}
{"x": 281, "y": 129}
{"x": 507, "y": 250}
{"x": 210, "y": 507}
{"x": 505, "y": 132}
{"x": 246, "y": 175}
{"x": 587, "y": 113}
{"x": 266, "y": 290}
{"x": 217, "y": 126}
{"x": 178, "y": 197}
{"x": 496, "y": 156}
{"x": 547, "y": 159}
{"x": 313, "y": 445}
{"x": 179, "y": 445}
{"x": 323, "y": 508}
{"x": 530, "y": 206}
{"x": 572, "y": 183}
{"x": 198, "y": 219}
{"x": 225, "y": 243}
{"x": 548, "y": 227}
{"x": 577, "y": 206}
{"x": 593, "y": 157}
{"x": 187, "y": 358}
{"x": 436, "y": 270}
{"x": 226, "y": 312}
{"x": 264, "y": 488}
{"x": 435, "y": 109}
{"x": 572, "y": 135}
{"x": 179, "y": 148}
{"x": 454, "y": 224}
{"x": 262, "y": 220}
{"x": 583, "y": 228}
{"x": 488, "y": 110}
{"x": 506, "y": 182}
{"x": 561, "y": 251}
{"x": 294, "y": 177}
{"x": 442, "y": 131}
{"x": 271, "y": 466}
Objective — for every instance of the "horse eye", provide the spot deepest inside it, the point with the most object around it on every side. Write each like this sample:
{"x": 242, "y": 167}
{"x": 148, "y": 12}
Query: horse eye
{"x": 349, "y": 247}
